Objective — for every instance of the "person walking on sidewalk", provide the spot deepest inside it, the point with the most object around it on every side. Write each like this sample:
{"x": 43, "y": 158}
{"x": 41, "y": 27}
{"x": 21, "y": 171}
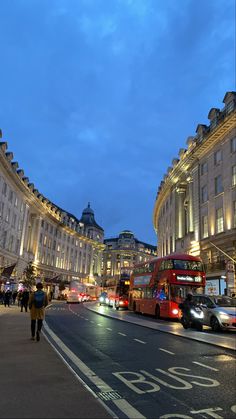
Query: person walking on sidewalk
{"x": 37, "y": 303}
{"x": 24, "y": 300}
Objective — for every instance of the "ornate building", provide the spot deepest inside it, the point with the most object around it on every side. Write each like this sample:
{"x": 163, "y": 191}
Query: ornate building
{"x": 195, "y": 208}
{"x": 34, "y": 229}
{"x": 123, "y": 252}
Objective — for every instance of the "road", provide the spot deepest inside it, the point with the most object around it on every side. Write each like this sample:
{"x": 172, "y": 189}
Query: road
{"x": 141, "y": 372}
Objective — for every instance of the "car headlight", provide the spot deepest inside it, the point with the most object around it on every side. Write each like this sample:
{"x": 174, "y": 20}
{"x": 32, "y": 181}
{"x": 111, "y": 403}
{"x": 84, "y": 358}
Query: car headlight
{"x": 224, "y": 316}
{"x": 101, "y": 299}
{"x": 175, "y": 311}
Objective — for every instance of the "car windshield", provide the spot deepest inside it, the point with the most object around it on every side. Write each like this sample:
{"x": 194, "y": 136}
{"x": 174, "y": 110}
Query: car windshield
{"x": 225, "y": 301}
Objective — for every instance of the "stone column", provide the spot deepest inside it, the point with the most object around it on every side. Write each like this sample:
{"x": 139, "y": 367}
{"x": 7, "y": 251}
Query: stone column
{"x": 190, "y": 206}
{"x": 180, "y": 212}
{"x": 24, "y": 231}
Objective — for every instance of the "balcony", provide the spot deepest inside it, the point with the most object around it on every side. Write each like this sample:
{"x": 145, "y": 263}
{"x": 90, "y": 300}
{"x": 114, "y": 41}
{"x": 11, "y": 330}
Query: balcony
{"x": 215, "y": 266}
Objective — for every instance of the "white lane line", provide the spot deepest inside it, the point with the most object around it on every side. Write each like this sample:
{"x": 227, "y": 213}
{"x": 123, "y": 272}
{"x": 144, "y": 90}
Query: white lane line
{"x": 129, "y": 410}
{"x": 108, "y": 328}
{"x": 86, "y": 319}
{"x": 165, "y": 350}
{"x": 91, "y": 321}
{"x": 140, "y": 341}
{"x": 205, "y": 366}
{"x": 122, "y": 404}
{"x": 122, "y": 334}
{"x": 99, "y": 324}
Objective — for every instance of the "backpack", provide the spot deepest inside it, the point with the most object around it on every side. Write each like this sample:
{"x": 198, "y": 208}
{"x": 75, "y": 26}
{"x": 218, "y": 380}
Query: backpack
{"x": 39, "y": 299}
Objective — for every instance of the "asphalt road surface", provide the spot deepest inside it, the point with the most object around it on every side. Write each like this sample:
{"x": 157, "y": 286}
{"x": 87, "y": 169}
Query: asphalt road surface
{"x": 140, "y": 372}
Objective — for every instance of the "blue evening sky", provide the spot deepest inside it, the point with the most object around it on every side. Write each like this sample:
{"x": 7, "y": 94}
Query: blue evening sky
{"x": 98, "y": 96}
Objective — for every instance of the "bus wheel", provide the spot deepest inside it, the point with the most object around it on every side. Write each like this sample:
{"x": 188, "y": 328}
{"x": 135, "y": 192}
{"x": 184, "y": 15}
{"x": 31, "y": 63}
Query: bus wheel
{"x": 157, "y": 312}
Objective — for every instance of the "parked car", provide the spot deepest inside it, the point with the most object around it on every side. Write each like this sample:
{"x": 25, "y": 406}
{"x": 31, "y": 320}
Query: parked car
{"x": 219, "y": 311}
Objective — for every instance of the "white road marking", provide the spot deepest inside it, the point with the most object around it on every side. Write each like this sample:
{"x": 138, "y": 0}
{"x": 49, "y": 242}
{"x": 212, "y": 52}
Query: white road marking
{"x": 122, "y": 404}
{"x": 91, "y": 321}
{"x": 165, "y": 350}
{"x": 205, "y": 366}
{"x": 140, "y": 341}
{"x": 129, "y": 410}
{"x": 108, "y": 328}
{"x": 99, "y": 324}
{"x": 122, "y": 334}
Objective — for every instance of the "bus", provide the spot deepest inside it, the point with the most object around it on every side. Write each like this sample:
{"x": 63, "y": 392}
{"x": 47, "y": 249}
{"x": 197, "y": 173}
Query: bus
{"x": 117, "y": 296}
{"x": 158, "y": 286}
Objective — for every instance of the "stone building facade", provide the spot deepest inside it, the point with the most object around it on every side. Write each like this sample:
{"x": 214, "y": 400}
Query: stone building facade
{"x": 195, "y": 207}
{"x": 34, "y": 229}
{"x": 123, "y": 252}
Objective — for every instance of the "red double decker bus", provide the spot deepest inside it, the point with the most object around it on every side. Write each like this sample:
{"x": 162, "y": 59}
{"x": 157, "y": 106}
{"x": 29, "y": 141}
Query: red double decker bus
{"x": 159, "y": 285}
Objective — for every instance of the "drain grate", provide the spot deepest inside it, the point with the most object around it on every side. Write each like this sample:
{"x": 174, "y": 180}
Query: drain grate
{"x": 109, "y": 395}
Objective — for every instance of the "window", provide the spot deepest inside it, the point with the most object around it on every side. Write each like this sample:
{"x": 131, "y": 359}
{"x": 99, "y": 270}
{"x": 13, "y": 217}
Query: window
{"x": 4, "y": 189}
{"x": 234, "y": 175}
{"x": 205, "y": 226}
{"x": 233, "y": 145}
{"x": 219, "y": 220}
{"x": 8, "y": 214}
{"x": 218, "y": 157}
{"x": 204, "y": 194}
{"x": 1, "y": 208}
{"x": 218, "y": 185}
{"x": 14, "y": 220}
{"x": 234, "y": 213}
{"x": 204, "y": 168}
{"x": 10, "y": 196}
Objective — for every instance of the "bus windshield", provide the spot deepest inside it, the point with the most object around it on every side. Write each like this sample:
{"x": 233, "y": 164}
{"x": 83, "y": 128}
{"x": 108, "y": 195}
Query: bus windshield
{"x": 183, "y": 265}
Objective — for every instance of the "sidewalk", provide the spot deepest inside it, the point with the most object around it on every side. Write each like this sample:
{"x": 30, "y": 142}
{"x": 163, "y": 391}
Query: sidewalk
{"x": 34, "y": 382}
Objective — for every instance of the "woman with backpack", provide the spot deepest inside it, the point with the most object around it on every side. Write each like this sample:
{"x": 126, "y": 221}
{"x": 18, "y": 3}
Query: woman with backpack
{"x": 37, "y": 303}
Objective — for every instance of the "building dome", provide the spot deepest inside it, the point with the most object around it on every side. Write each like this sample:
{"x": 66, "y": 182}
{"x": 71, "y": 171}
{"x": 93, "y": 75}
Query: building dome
{"x": 88, "y": 218}
{"x": 126, "y": 234}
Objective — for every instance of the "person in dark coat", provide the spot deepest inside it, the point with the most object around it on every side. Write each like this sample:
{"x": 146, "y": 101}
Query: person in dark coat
{"x": 14, "y": 295}
{"x": 7, "y": 298}
{"x": 24, "y": 300}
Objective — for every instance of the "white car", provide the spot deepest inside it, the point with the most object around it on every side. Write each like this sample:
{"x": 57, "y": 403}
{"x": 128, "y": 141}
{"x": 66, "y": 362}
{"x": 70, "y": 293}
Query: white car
{"x": 219, "y": 311}
{"x": 74, "y": 297}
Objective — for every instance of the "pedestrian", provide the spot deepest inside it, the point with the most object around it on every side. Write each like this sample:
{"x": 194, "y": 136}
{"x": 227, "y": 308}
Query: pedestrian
{"x": 37, "y": 303}
{"x": 19, "y": 297}
{"x": 7, "y": 298}
{"x": 24, "y": 300}
{"x": 1, "y": 297}
{"x": 14, "y": 295}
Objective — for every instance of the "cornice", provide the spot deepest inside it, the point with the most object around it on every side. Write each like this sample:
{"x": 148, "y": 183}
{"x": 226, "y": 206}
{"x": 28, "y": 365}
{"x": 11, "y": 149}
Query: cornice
{"x": 189, "y": 158}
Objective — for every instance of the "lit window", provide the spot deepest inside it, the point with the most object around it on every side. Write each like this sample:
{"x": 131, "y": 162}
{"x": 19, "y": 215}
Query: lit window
{"x": 234, "y": 175}
{"x": 218, "y": 185}
{"x": 219, "y": 220}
